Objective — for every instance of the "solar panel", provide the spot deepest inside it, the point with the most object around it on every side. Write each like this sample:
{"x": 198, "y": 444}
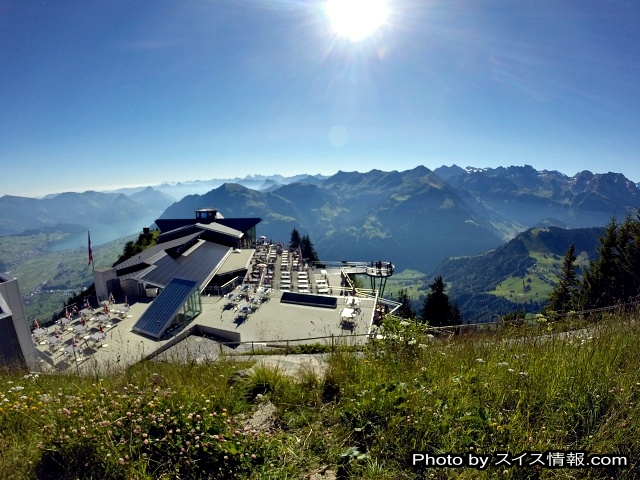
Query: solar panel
{"x": 309, "y": 300}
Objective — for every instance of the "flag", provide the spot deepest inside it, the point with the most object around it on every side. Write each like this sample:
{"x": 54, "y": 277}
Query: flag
{"x": 90, "y": 251}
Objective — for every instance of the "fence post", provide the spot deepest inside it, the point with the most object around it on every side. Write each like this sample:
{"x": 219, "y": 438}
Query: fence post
{"x": 252, "y": 350}
{"x": 287, "y": 351}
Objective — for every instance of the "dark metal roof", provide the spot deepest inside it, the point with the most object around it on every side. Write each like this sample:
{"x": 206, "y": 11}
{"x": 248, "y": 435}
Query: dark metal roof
{"x": 150, "y": 254}
{"x": 177, "y": 233}
{"x": 199, "y": 263}
{"x": 157, "y": 318}
{"x": 221, "y": 229}
{"x": 168, "y": 224}
{"x": 241, "y": 224}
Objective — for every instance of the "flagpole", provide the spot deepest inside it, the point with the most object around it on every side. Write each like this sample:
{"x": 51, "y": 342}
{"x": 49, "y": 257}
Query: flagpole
{"x": 91, "y": 262}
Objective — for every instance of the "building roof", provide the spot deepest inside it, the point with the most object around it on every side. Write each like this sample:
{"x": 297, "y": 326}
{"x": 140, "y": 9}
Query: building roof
{"x": 157, "y": 318}
{"x": 241, "y": 224}
{"x": 167, "y": 225}
{"x": 238, "y": 260}
{"x": 199, "y": 263}
{"x": 150, "y": 254}
{"x": 219, "y": 228}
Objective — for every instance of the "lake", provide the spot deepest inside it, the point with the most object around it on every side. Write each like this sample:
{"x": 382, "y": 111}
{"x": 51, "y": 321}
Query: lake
{"x": 101, "y": 234}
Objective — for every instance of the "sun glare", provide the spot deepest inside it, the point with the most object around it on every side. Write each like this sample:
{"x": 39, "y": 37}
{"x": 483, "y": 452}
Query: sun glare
{"x": 356, "y": 19}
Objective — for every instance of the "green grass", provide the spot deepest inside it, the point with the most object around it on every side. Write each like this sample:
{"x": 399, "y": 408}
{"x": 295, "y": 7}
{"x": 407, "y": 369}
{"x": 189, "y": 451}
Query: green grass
{"x": 514, "y": 390}
{"x": 414, "y": 281}
{"x": 537, "y": 283}
{"x": 27, "y": 259}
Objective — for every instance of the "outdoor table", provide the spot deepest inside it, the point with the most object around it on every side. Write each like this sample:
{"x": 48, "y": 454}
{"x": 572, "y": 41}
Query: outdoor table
{"x": 85, "y": 312}
{"x": 98, "y": 336}
{"x": 103, "y": 318}
{"x": 244, "y": 308}
{"x": 72, "y": 349}
{"x": 353, "y": 301}
{"x": 65, "y": 320}
{"x": 348, "y": 313}
{"x": 53, "y": 339}
{"x": 80, "y": 328}
{"x": 39, "y": 332}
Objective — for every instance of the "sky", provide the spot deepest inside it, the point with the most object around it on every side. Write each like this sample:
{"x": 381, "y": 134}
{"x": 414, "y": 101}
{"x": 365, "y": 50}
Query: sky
{"x": 111, "y": 93}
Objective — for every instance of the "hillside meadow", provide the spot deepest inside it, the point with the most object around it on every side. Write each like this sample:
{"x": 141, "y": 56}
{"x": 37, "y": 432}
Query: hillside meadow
{"x": 518, "y": 389}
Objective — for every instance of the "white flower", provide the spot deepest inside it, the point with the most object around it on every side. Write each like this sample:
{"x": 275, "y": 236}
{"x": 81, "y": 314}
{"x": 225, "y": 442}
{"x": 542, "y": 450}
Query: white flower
{"x": 479, "y": 360}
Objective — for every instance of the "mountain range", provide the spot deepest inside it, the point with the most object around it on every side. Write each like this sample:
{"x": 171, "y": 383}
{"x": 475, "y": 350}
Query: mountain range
{"x": 70, "y": 210}
{"x": 418, "y": 217}
{"x": 414, "y": 218}
{"x": 179, "y": 190}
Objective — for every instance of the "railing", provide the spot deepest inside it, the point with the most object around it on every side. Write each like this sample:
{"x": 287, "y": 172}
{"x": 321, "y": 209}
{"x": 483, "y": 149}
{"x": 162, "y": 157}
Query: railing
{"x": 224, "y": 289}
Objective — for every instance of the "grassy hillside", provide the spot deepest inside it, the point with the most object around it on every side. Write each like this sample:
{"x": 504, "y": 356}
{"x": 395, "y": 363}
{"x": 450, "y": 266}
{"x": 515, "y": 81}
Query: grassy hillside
{"x": 513, "y": 391}
{"x": 517, "y": 275}
{"x": 49, "y": 277}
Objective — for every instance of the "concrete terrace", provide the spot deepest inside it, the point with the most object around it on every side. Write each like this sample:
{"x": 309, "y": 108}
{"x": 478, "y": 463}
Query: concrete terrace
{"x": 272, "y": 323}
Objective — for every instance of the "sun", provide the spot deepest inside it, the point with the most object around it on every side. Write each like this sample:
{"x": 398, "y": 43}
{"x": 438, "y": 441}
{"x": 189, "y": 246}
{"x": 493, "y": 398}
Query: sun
{"x": 356, "y": 19}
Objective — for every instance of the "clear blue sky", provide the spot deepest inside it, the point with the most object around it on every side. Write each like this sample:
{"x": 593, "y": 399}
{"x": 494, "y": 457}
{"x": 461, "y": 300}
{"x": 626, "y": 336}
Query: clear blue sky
{"x": 109, "y": 93}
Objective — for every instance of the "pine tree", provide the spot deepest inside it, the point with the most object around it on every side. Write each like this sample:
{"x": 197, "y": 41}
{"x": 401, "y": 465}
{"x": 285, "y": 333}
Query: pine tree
{"x": 437, "y": 310}
{"x": 628, "y": 260}
{"x": 615, "y": 276}
{"x": 600, "y": 284}
{"x": 295, "y": 239}
{"x": 307, "y": 250}
{"x": 405, "y": 310}
{"x": 563, "y": 296}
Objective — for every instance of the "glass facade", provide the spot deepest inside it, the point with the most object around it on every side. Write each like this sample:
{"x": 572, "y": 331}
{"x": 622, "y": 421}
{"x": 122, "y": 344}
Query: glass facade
{"x": 191, "y": 309}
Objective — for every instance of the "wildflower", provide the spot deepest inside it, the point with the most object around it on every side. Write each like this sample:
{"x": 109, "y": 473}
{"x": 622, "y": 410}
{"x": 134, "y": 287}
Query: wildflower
{"x": 479, "y": 360}
{"x": 503, "y": 364}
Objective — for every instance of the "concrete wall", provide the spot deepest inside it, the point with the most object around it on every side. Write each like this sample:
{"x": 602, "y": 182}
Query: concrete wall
{"x": 100, "y": 278}
{"x": 226, "y": 334}
{"x": 16, "y": 321}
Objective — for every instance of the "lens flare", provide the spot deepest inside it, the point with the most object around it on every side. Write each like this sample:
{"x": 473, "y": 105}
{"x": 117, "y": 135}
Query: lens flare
{"x": 356, "y": 19}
